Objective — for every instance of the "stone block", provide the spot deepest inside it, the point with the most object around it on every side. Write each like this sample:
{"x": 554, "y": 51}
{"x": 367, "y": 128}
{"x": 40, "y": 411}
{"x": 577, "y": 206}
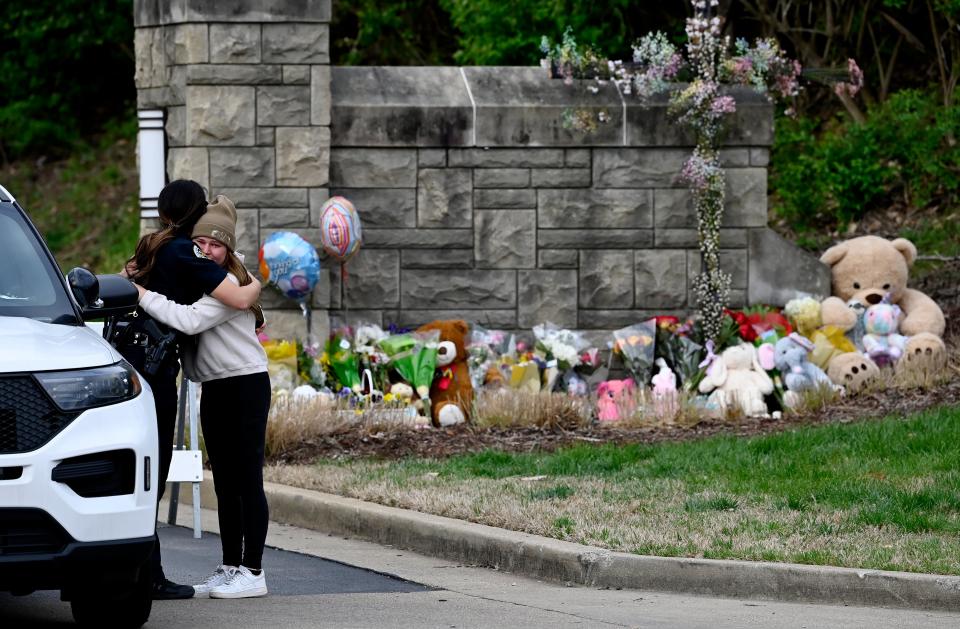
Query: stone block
{"x": 320, "y": 96}
{"x": 458, "y": 289}
{"x": 290, "y": 324}
{"x": 432, "y": 158}
{"x": 285, "y": 217}
{"x": 505, "y": 198}
{"x": 506, "y": 239}
{"x": 152, "y": 12}
{"x": 400, "y": 106}
{"x": 746, "y": 198}
{"x": 189, "y": 163}
{"x": 356, "y": 318}
{"x": 660, "y": 279}
{"x": 266, "y": 136}
{"x": 296, "y": 75}
{"x": 303, "y": 156}
{"x": 561, "y": 178}
{"x": 436, "y": 259}
{"x": 522, "y": 106}
{"x": 296, "y": 43}
{"x": 595, "y": 208}
{"x": 615, "y": 319}
{"x": 329, "y": 290}
{"x": 683, "y": 238}
{"x": 760, "y": 157}
{"x": 380, "y": 207}
{"x": 246, "y": 166}
{"x": 443, "y": 198}
{"x": 577, "y": 158}
{"x": 234, "y": 43}
{"x": 492, "y": 319}
{"x": 156, "y": 97}
{"x": 505, "y": 158}
{"x": 557, "y": 258}
{"x": 638, "y": 168}
{"x": 780, "y": 271}
{"x": 234, "y": 74}
{"x": 374, "y": 279}
{"x": 745, "y": 202}
{"x": 373, "y": 168}
{"x": 317, "y": 198}
{"x": 419, "y": 238}
{"x": 188, "y": 43}
{"x": 176, "y": 126}
{"x": 595, "y": 238}
{"x": 606, "y": 279}
{"x": 248, "y": 232}
{"x": 265, "y": 197}
{"x": 220, "y": 115}
{"x": 732, "y": 261}
{"x": 735, "y": 157}
{"x": 150, "y": 58}
{"x": 547, "y": 296}
{"x": 287, "y": 105}
{"x": 501, "y": 177}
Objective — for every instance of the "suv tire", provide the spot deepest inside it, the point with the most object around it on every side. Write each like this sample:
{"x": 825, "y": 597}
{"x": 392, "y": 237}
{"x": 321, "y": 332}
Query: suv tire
{"x": 129, "y": 611}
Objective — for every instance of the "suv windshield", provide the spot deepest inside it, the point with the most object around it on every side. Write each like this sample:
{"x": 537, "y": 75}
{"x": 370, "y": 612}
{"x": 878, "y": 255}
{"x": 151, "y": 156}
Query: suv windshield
{"x": 30, "y": 284}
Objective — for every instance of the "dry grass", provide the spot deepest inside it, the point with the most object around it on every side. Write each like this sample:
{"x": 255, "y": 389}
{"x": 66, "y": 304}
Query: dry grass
{"x": 512, "y": 408}
{"x": 292, "y": 423}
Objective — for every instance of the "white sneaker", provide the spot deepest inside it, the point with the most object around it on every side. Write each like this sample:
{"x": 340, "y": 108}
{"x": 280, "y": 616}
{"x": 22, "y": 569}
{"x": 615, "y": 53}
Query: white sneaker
{"x": 241, "y": 584}
{"x": 219, "y": 577}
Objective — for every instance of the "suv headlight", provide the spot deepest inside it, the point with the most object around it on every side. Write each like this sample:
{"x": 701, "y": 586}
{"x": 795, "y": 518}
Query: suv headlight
{"x": 88, "y": 388}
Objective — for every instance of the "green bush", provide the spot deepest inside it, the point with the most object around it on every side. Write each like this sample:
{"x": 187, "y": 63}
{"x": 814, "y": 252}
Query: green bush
{"x": 67, "y": 66}
{"x": 829, "y": 176}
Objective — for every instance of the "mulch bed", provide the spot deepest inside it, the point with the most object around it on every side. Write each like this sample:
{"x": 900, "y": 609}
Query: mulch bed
{"x": 465, "y": 439}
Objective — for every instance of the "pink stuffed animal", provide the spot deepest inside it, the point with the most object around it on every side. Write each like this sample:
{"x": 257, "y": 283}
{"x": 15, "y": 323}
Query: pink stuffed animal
{"x": 665, "y": 391}
{"x": 612, "y": 396}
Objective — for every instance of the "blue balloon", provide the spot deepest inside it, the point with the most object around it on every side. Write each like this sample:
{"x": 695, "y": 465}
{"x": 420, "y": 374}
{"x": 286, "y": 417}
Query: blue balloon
{"x": 291, "y": 264}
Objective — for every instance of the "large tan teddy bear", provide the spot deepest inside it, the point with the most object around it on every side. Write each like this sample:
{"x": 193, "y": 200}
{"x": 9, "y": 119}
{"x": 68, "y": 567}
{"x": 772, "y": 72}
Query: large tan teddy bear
{"x": 865, "y": 269}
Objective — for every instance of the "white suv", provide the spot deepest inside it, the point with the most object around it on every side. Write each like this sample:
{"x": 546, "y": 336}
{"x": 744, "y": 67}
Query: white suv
{"x": 78, "y": 437}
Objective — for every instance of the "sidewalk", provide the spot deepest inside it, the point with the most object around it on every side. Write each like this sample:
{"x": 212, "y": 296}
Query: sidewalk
{"x": 569, "y": 563}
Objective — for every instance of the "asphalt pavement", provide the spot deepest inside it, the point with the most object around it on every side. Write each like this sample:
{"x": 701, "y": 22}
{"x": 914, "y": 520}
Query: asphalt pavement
{"x": 322, "y": 580}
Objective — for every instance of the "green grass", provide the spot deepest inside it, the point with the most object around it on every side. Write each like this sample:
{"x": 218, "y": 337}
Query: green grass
{"x": 86, "y": 206}
{"x": 882, "y": 494}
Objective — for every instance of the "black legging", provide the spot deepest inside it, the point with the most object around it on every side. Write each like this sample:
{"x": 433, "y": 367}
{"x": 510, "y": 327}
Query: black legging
{"x": 164, "y": 386}
{"x": 233, "y": 415}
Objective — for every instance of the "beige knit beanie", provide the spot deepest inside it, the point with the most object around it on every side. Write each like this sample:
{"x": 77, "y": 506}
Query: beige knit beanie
{"x": 220, "y": 222}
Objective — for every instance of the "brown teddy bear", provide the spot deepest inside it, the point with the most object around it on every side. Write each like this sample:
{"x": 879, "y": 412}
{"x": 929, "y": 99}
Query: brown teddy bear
{"x": 865, "y": 269}
{"x": 451, "y": 395}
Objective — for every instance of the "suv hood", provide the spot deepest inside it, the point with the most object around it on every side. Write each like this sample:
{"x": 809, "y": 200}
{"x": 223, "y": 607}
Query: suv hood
{"x": 29, "y": 345}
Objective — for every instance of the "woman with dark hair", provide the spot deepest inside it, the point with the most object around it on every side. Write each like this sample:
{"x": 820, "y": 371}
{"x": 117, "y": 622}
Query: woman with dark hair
{"x": 167, "y": 262}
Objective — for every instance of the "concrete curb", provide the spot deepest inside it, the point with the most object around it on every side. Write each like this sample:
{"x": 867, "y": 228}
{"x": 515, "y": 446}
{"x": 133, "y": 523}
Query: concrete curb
{"x": 566, "y": 562}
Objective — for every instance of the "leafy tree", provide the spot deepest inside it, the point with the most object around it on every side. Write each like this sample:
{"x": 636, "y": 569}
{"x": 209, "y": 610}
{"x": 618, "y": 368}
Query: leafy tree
{"x": 67, "y": 66}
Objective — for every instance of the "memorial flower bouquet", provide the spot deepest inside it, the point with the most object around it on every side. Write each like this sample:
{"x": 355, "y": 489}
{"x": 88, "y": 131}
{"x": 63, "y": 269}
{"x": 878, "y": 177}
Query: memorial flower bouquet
{"x": 635, "y": 345}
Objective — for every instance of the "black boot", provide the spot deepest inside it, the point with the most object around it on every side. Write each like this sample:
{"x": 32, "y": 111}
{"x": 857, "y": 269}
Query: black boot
{"x": 167, "y": 590}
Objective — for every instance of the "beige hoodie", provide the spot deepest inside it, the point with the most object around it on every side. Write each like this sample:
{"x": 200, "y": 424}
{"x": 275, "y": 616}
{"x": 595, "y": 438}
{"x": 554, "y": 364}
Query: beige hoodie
{"x": 227, "y": 344}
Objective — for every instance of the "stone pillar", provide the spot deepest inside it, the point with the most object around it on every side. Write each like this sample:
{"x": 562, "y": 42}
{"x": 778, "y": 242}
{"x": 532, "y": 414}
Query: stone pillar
{"x": 246, "y": 96}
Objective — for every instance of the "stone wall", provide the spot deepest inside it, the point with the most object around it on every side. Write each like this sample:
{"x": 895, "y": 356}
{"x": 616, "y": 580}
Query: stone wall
{"x": 476, "y": 202}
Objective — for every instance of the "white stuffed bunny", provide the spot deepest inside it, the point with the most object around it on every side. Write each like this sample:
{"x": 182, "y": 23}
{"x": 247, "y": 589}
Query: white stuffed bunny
{"x": 736, "y": 378}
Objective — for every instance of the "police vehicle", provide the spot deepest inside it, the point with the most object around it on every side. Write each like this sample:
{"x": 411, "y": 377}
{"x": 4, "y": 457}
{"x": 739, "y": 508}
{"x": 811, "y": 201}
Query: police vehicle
{"x": 78, "y": 440}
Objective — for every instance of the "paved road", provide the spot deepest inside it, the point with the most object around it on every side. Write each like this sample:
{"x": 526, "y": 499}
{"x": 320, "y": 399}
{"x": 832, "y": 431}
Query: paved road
{"x": 351, "y": 586}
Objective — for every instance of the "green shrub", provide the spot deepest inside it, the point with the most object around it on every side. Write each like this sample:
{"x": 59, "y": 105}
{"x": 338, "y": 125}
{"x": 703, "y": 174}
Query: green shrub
{"x": 902, "y": 155}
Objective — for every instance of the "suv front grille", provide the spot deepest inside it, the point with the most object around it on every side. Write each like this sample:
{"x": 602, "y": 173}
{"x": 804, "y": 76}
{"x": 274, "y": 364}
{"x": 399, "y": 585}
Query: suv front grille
{"x": 28, "y": 418}
{"x": 29, "y": 532}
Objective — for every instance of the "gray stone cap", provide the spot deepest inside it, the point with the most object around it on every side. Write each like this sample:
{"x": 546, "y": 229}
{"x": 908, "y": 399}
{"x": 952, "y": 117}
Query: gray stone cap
{"x": 411, "y": 86}
{"x": 509, "y": 106}
{"x": 161, "y": 12}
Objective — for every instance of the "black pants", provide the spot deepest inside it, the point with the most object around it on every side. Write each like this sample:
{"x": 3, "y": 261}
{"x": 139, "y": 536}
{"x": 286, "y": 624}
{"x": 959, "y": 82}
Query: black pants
{"x": 165, "y": 400}
{"x": 233, "y": 414}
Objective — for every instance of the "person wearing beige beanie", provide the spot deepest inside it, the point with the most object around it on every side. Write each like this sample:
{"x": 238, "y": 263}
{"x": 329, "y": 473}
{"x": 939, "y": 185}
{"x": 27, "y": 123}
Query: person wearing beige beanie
{"x": 169, "y": 263}
{"x": 229, "y": 361}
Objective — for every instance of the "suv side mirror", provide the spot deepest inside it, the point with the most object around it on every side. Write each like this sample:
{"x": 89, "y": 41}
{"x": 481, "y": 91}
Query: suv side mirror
{"x": 102, "y": 296}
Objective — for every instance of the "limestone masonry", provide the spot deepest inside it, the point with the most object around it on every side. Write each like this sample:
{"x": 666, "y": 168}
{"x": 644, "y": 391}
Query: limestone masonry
{"x": 475, "y": 201}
